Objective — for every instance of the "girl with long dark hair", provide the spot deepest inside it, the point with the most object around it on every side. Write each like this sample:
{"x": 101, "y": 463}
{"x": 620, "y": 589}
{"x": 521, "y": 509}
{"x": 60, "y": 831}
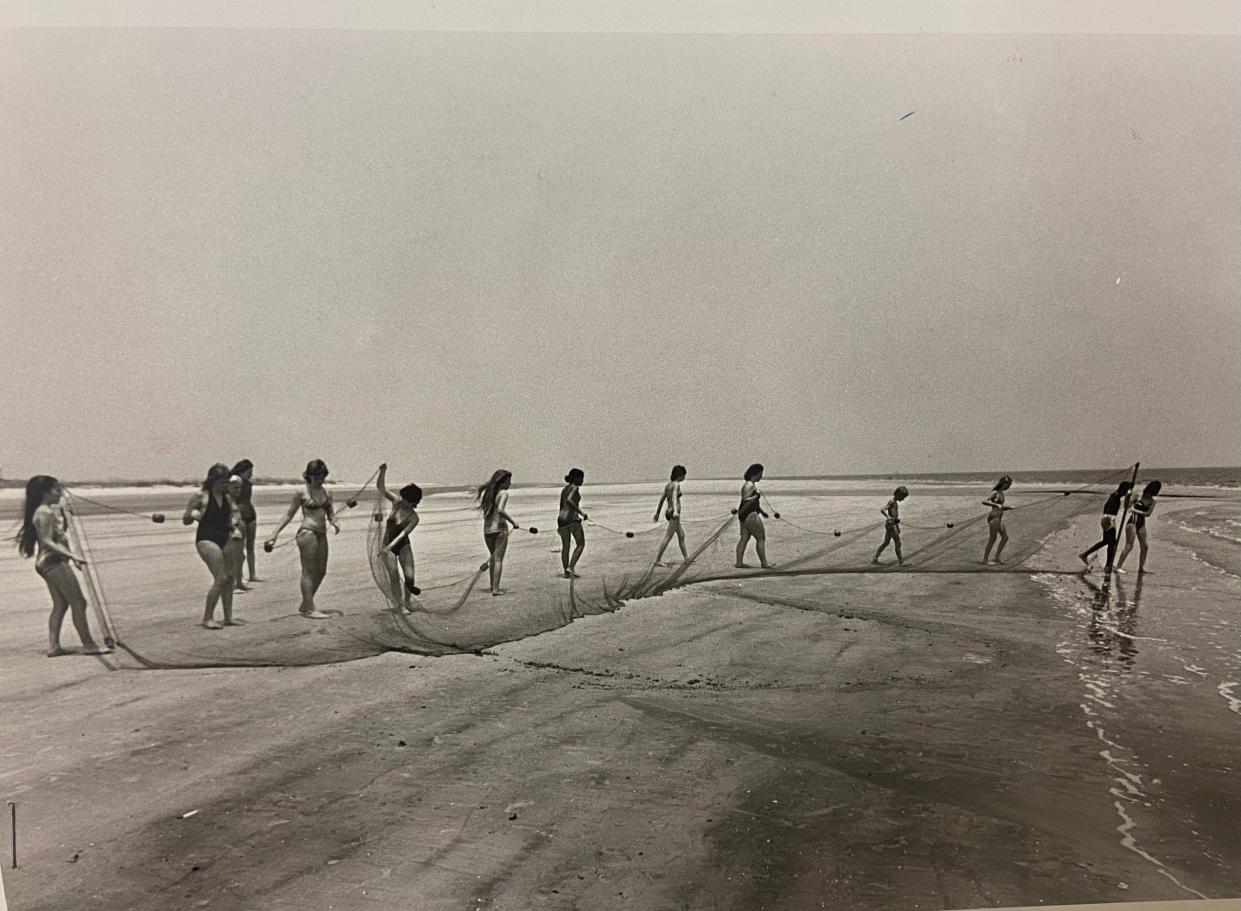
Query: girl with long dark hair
{"x": 493, "y": 502}
{"x": 1135, "y": 526}
{"x": 43, "y": 528}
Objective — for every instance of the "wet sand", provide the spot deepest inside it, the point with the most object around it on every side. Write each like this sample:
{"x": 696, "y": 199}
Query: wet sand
{"x": 864, "y": 741}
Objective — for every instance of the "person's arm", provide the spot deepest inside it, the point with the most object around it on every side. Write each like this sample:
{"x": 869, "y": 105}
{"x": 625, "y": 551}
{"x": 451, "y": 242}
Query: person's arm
{"x": 660, "y": 508}
{"x": 329, "y": 509}
{"x": 383, "y": 473}
{"x": 193, "y": 511}
{"x": 1139, "y": 510}
{"x": 288, "y": 517}
{"x": 45, "y": 529}
{"x": 408, "y": 527}
{"x": 884, "y": 512}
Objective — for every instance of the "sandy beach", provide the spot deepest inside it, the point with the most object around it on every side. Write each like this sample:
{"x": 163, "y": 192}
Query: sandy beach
{"x": 914, "y": 740}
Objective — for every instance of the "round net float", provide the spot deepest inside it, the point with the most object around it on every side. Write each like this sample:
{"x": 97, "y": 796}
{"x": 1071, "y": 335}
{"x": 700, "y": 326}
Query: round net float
{"x": 950, "y": 524}
{"x": 268, "y": 546}
{"x": 351, "y": 503}
{"x": 628, "y": 534}
{"x": 158, "y": 518}
{"x": 836, "y": 533}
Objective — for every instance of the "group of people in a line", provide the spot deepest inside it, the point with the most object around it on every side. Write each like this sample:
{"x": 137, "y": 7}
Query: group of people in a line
{"x": 224, "y": 513}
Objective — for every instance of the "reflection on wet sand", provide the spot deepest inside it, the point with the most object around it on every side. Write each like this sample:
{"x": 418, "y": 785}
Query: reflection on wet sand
{"x": 1113, "y": 626}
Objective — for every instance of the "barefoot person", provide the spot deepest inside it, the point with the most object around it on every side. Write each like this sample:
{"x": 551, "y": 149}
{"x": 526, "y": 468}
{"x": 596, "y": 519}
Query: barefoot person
{"x": 892, "y": 524}
{"x": 43, "y": 524}
{"x": 1135, "y": 527}
{"x": 750, "y": 515}
{"x": 398, "y": 553}
{"x": 493, "y": 501}
{"x": 212, "y": 509}
{"x": 1110, "y": 510}
{"x": 672, "y": 496}
{"x": 235, "y": 549}
{"x": 315, "y": 502}
{"x": 569, "y": 521}
{"x": 245, "y": 470}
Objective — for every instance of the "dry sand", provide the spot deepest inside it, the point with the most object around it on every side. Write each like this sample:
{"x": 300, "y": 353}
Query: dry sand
{"x": 862, "y": 741}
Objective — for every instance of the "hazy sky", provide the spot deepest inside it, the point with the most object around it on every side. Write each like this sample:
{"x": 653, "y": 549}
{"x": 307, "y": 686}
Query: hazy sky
{"x": 461, "y": 251}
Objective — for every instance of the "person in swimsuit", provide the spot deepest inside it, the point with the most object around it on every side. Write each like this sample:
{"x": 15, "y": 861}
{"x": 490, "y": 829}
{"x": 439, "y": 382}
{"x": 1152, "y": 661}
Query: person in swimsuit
{"x": 235, "y": 549}
{"x": 1110, "y": 510}
{"x": 212, "y": 509}
{"x": 493, "y": 501}
{"x": 1135, "y": 527}
{"x": 569, "y": 521}
{"x": 397, "y": 552}
{"x": 43, "y": 524}
{"x": 750, "y": 515}
{"x": 892, "y": 524}
{"x": 315, "y": 502}
{"x": 672, "y": 496}
{"x": 995, "y": 520}
{"x": 245, "y": 470}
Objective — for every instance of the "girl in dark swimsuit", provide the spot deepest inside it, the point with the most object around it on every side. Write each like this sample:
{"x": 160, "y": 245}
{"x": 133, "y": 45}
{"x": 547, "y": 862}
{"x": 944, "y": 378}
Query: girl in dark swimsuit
{"x": 1111, "y": 509}
{"x": 315, "y": 502}
{"x": 43, "y": 524}
{"x": 750, "y": 515}
{"x": 995, "y": 520}
{"x": 569, "y": 521}
{"x": 397, "y": 553}
{"x": 212, "y": 509}
{"x": 1136, "y": 526}
{"x": 250, "y": 520}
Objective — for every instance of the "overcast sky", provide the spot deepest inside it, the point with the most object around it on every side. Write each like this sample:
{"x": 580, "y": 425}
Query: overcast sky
{"x": 459, "y": 251}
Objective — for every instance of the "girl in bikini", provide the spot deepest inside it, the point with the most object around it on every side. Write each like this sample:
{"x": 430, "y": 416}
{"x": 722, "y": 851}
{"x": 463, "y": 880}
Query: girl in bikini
{"x": 892, "y": 524}
{"x": 569, "y": 521}
{"x": 995, "y": 520}
{"x": 212, "y": 509}
{"x": 750, "y": 515}
{"x": 672, "y": 496}
{"x": 398, "y": 553}
{"x": 43, "y": 524}
{"x": 1135, "y": 527}
{"x": 315, "y": 502}
{"x": 493, "y": 501}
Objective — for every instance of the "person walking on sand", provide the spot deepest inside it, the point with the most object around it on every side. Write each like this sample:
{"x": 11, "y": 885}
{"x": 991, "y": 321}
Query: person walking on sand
{"x": 750, "y": 515}
{"x": 318, "y": 512}
{"x": 1135, "y": 527}
{"x": 892, "y": 524}
{"x": 569, "y": 521}
{"x": 43, "y": 526}
{"x": 235, "y": 549}
{"x": 398, "y": 552}
{"x": 672, "y": 496}
{"x": 212, "y": 509}
{"x": 1111, "y": 509}
{"x": 250, "y": 519}
{"x": 493, "y": 502}
{"x": 995, "y": 521}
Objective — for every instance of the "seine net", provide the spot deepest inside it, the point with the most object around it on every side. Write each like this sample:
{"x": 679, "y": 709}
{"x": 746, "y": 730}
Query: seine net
{"x": 148, "y": 585}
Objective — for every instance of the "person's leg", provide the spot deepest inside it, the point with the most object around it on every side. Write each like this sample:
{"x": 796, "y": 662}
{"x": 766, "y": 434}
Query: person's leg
{"x": 759, "y": 533}
{"x": 60, "y": 605}
{"x": 1109, "y": 539}
{"x": 992, "y": 533}
{"x": 308, "y": 550}
{"x": 565, "y": 534}
{"x": 896, "y": 544}
{"x": 497, "y": 562}
{"x": 1003, "y": 540}
{"x": 221, "y": 579}
{"x": 887, "y": 536}
{"x": 742, "y": 545}
{"x": 1142, "y": 548}
{"x": 579, "y": 535}
{"x": 251, "y": 534}
{"x": 66, "y": 583}
{"x": 1129, "y": 536}
{"x": 681, "y": 541}
{"x": 659, "y": 556}
{"x": 408, "y": 567}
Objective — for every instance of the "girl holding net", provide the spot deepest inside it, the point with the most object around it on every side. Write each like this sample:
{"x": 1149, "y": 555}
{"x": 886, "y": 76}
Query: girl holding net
{"x": 315, "y": 503}
{"x": 212, "y": 508}
{"x": 493, "y": 502}
{"x": 397, "y": 551}
{"x": 750, "y": 515}
{"x": 672, "y": 496}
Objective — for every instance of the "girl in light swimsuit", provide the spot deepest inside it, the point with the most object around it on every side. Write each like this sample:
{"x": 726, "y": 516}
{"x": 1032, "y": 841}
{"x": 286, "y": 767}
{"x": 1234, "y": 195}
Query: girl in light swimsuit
{"x": 995, "y": 520}
{"x": 493, "y": 501}
{"x": 892, "y": 524}
{"x": 250, "y": 520}
{"x": 672, "y": 496}
{"x": 212, "y": 509}
{"x": 235, "y": 549}
{"x": 569, "y": 521}
{"x": 1136, "y": 526}
{"x": 750, "y": 514}
{"x": 315, "y": 502}
{"x": 43, "y": 524}
{"x": 398, "y": 553}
